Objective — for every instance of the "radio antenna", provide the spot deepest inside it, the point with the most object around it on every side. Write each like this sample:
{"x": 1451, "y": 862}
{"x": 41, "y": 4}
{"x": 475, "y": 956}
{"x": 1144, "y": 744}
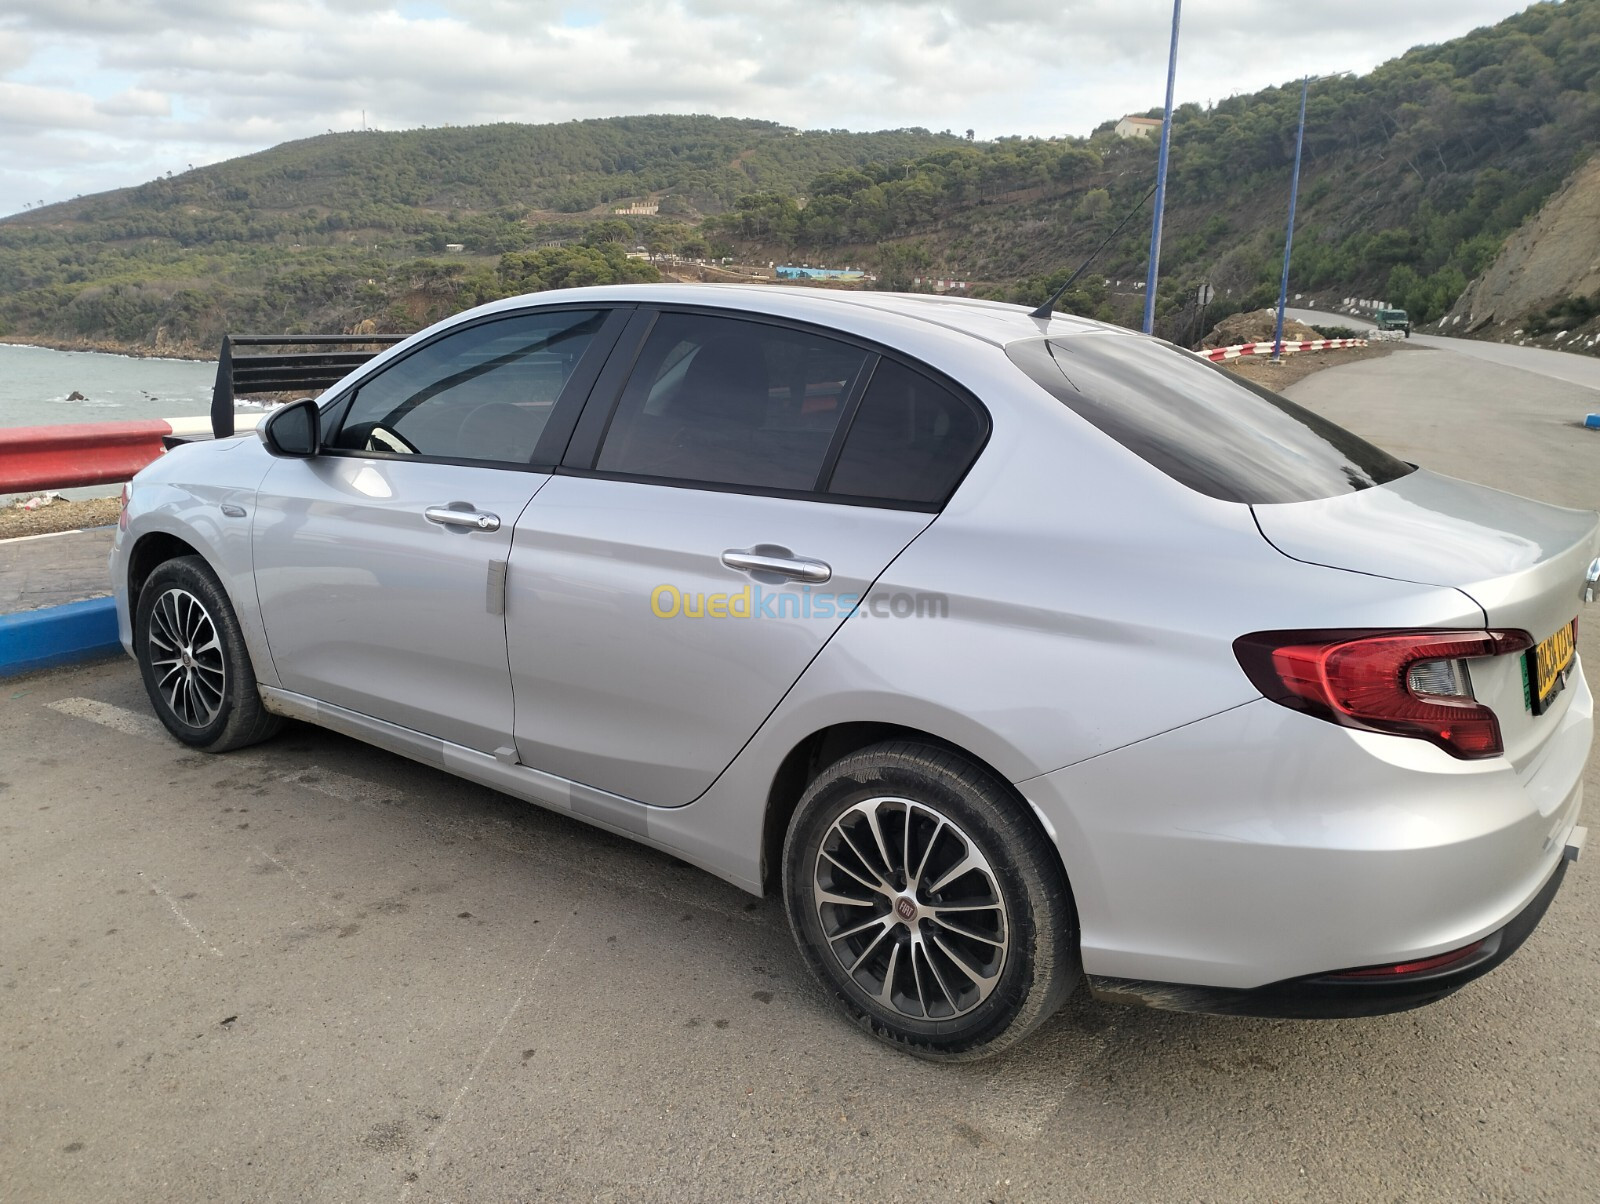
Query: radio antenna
{"x": 1048, "y": 308}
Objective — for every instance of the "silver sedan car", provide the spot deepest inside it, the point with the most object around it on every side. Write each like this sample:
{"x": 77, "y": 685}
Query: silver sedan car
{"x": 1019, "y": 654}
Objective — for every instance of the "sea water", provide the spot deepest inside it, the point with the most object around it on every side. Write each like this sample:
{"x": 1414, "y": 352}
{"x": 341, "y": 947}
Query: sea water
{"x": 37, "y": 384}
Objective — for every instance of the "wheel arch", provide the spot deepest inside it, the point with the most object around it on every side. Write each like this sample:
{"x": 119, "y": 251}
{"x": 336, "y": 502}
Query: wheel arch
{"x": 149, "y": 553}
{"x": 800, "y": 766}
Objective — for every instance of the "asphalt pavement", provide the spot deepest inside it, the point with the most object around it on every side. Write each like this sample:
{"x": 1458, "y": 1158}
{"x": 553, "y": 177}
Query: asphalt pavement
{"x": 50, "y": 570}
{"x": 316, "y": 971}
{"x": 1580, "y": 370}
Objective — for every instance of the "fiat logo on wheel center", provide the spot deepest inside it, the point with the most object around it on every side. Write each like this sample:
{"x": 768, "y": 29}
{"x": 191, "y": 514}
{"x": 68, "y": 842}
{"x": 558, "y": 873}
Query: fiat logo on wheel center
{"x": 905, "y": 908}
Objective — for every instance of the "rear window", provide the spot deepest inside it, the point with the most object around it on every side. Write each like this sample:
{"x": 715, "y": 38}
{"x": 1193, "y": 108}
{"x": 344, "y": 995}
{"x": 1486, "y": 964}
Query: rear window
{"x": 1201, "y": 425}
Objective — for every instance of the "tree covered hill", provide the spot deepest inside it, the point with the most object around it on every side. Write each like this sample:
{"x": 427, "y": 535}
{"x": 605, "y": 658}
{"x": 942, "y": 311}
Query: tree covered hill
{"x": 328, "y": 230}
{"x": 1414, "y": 175}
{"x": 370, "y": 178}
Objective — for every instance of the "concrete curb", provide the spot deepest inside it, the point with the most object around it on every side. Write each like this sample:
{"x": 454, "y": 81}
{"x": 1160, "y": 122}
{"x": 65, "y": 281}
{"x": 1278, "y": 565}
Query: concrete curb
{"x": 58, "y": 635}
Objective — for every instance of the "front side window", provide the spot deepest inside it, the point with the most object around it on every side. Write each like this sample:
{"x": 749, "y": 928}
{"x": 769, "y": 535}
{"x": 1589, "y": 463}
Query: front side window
{"x": 484, "y": 393}
{"x": 729, "y": 402}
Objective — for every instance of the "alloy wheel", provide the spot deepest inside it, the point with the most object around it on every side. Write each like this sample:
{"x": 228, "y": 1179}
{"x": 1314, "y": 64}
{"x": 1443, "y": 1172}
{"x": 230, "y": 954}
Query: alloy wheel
{"x": 187, "y": 658}
{"x": 911, "y": 908}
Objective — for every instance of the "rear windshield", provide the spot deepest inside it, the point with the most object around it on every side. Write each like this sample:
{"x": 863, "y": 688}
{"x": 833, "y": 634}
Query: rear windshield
{"x": 1201, "y": 425}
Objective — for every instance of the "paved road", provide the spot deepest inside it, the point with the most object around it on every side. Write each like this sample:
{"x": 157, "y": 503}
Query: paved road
{"x": 314, "y": 971}
{"x": 49, "y": 570}
{"x": 1582, "y": 370}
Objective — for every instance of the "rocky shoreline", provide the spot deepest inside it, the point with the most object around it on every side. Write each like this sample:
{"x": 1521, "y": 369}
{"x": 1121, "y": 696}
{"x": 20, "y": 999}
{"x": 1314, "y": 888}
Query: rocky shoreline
{"x": 166, "y": 351}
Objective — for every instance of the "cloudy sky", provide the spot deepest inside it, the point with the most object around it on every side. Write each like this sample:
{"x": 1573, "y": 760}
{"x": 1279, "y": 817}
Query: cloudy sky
{"x": 98, "y": 94}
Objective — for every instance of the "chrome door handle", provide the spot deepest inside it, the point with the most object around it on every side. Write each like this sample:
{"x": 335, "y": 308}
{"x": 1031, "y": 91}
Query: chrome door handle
{"x": 767, "y": 558}
{"x": 475, "y": 519}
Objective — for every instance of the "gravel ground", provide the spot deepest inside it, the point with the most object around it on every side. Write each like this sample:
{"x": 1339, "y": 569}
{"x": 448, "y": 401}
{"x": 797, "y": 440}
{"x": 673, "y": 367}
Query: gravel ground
{"x": 59, "y": 515}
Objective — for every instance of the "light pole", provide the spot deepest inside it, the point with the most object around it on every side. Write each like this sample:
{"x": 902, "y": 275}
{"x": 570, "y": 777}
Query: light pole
{"x": 1288, "y": 241}
{"x": 1154, "y": 270}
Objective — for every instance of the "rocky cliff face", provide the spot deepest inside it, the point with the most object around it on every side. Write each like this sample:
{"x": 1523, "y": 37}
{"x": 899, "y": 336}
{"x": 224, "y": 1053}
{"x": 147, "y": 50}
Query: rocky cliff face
{"x": 1552, "y": 261}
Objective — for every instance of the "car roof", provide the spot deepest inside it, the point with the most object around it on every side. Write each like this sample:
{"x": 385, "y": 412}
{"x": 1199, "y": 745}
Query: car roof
{"x": 993, "y": 322}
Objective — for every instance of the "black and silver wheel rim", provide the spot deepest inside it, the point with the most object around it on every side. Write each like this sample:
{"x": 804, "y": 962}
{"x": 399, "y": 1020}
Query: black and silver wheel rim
{"x": 910, "y": 908}
{"x": 186, "y": 658}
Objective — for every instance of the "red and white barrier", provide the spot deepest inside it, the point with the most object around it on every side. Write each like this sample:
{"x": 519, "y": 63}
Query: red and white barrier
{"x": 1218, "y": 354}
{"x": 89, "y": 453}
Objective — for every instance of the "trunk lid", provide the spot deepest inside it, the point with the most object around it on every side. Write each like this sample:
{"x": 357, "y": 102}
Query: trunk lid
{"x": 1525, "y": 563}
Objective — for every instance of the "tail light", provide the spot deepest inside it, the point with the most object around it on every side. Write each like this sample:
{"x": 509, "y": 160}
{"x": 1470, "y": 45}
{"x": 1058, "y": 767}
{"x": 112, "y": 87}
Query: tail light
{"x": 122, "y": 518}
{"x": 1404, "y": 683}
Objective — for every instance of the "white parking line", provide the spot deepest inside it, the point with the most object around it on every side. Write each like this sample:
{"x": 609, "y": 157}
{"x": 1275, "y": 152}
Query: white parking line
{"x": 294, "y": 876}
{"x": 425, "y": 1155}
{"x": 114, "y": 717}
{"x": 158, "y": 889}
{"x": 42, "y": 535}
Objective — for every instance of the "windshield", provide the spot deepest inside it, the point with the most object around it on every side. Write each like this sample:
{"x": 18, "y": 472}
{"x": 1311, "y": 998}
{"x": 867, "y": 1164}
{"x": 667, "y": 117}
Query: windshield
{"x": 1201, "y": 425}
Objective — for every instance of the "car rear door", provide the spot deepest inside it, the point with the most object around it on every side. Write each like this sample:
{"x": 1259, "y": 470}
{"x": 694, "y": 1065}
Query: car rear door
{"x": 378, "y": 562}
{"x": 710, "y": 529}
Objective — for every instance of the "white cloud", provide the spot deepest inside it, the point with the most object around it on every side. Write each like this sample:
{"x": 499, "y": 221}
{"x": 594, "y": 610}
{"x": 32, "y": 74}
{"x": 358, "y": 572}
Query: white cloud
{"x": 154, "y": 85}
{"x": 136, "y": 102}
{"x": 29, "y": 106}
{"x": 15, "y": 50}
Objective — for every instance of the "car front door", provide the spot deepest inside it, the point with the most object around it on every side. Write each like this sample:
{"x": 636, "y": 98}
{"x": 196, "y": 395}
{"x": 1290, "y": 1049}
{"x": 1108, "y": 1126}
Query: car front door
{"x": 690, "y": 559}
{"x": 379, "y": 561}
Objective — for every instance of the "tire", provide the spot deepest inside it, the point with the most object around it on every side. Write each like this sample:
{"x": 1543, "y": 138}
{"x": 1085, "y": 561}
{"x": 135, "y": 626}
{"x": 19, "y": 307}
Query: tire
{"x": 194, "y": 662}
{"x": 980, "y": 978}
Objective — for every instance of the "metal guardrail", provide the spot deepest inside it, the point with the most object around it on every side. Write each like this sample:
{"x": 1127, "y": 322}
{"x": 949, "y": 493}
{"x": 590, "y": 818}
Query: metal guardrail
{"x": 91, "y": 453}
{"x": 284, "y": 372}
{"x": 88, "y": 453}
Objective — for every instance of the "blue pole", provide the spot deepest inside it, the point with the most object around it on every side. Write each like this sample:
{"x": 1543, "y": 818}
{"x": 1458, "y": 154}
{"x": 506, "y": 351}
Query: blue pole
{"x": 1154, "y": 271}
{"x": 1288, "y": 241}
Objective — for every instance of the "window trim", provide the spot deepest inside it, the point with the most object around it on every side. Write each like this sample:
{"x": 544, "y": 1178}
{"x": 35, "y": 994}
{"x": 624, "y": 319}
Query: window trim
{"x": 605, "y": 398}
{"x": 564, "y": 414}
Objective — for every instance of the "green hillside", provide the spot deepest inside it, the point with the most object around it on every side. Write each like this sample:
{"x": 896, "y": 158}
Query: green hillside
{"x": 1414, "y": 175}
{"x": 338, "y": 229}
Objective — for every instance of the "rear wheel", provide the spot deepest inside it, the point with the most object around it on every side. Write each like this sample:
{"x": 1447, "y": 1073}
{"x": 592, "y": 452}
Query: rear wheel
{"x": 928, "y": 902}
{"x": 194, "y": 662}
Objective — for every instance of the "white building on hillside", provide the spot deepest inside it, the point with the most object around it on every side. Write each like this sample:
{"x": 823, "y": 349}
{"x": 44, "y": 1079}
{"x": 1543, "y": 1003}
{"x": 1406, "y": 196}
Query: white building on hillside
{"x": 1138, "y": 127}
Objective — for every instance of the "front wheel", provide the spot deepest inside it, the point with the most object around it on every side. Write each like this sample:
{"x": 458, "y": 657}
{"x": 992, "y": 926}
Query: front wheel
{"x": 194, "y": 662}
{"x": 929, "y": 902}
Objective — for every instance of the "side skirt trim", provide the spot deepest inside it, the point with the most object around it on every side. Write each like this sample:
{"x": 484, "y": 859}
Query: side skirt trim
{"x": 623, "y": 816}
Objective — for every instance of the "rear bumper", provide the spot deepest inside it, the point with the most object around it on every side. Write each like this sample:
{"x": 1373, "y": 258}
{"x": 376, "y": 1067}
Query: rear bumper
{"x": 1261, "y": 846}
{"x": 1330, "y": 997}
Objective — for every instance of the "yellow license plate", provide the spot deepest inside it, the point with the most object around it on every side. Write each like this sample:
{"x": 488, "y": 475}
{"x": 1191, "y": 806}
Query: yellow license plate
{"x": 1548, "y": 665}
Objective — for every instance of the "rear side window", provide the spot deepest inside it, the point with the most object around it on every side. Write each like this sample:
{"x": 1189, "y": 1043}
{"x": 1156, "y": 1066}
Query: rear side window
{"x": 1201, "y": 425}
{"x": 482, "y": 393}
{"x": 729, "y": 402}
{"x": 911, "y": 441}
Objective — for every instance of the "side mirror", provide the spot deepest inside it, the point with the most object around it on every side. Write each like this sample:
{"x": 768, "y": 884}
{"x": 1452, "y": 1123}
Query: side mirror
{"x": 293, "y": 430}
